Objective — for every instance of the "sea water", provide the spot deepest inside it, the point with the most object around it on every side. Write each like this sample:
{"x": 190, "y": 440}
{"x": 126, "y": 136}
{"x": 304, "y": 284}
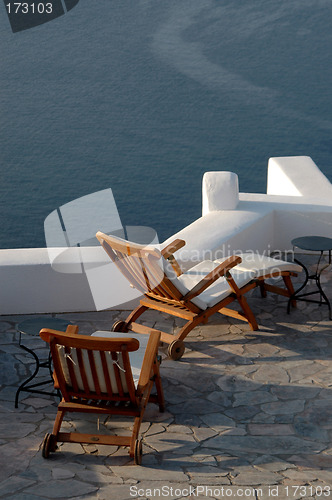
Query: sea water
{"x": 144, "y": 96}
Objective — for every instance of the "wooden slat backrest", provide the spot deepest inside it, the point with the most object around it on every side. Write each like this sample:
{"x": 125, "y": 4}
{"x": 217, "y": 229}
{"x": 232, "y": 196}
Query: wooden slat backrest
{"x": 81, "y": 373}
{"x": 141, "y": 265}
{"x": 91, "y": 367}
{"x": 106, "y": 373}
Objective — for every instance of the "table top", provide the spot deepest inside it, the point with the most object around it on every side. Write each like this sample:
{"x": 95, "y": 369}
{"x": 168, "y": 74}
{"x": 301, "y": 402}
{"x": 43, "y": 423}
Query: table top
{"x": 32, "y": 326}
{"x": 313, "y": 243}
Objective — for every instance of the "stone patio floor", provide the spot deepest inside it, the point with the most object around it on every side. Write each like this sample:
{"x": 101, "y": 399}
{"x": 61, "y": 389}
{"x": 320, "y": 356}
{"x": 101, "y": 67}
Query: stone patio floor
{"x": 248, "y": 415}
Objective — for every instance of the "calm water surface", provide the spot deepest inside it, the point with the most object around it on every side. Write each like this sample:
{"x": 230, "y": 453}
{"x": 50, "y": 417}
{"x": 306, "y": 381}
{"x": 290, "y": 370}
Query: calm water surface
{"x": 144, "y": 96}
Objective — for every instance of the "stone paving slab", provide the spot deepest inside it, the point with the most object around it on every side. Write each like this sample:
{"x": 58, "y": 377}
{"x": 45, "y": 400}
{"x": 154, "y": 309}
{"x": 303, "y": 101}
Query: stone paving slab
{"x": 248, "y": 415}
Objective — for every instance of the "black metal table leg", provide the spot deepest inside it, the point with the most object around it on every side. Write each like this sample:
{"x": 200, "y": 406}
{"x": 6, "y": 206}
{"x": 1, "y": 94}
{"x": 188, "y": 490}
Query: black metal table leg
{"x": 323, "y": 299}
{"x": 32, "y": 387}
{"x": 295, "y": 295}
{"x": 32, "y": 327}
{"x": 319, "y": 286}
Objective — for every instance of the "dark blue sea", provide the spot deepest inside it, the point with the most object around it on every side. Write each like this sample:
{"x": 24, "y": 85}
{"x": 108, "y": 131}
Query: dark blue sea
{"x": 144, "y": 96}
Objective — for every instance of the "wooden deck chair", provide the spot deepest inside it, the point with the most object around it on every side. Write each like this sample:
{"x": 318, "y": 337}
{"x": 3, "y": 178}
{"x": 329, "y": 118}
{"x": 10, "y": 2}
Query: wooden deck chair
{"x": 207, "y": 288}
{"x": 106, "y": 376}
{"x": 196, "y": 295}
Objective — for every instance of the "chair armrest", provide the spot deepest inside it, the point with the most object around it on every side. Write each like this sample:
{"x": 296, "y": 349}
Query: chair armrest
{"x": 72, "y": 329}
{"x": 148, "y": 360}
{"x": 168, "y": 251}
{"x": 210, "y": 278}
{"x": 172, "y": 247}
{"x": 46, "y": 333}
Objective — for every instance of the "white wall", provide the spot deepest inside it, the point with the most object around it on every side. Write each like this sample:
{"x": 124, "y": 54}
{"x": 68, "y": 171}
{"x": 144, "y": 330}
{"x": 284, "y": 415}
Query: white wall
{"x": 59, "y": 280}
{"x": 30, "y": 285}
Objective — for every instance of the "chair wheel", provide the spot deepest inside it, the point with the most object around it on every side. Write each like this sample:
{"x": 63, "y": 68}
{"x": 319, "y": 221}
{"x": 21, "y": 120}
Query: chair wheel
{"x": 49, "y": 444}
{"x": 119, "y": 326}
{"x": 138, "y": 452}
{"x": 176, "y": 349}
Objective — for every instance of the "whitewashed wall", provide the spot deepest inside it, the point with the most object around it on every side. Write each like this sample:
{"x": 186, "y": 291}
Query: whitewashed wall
{"x": 59, "y": 280}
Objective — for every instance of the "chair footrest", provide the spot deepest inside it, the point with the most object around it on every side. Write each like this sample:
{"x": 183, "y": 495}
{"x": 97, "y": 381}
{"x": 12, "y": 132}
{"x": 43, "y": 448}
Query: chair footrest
{"x": 76, "y": 437}
{"x": 114, "y": 409}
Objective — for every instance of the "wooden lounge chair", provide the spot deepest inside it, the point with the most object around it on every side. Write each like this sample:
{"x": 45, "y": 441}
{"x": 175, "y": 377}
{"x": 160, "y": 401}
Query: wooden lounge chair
{"x": 207, "y": 288}
{"x": 106, "y": 376}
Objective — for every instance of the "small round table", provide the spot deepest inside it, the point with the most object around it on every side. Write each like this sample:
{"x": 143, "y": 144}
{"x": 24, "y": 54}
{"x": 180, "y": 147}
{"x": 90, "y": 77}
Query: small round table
{"x": 319, "y": 244}
{"x": 32, "y": 327}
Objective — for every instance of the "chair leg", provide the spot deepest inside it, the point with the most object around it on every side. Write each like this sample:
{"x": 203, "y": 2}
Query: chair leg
{"x": 262, "y": 289}
{"x": 58, "y": 421}
{"x": 136, "y": 313}
{"x": 190, "y": 325}
{"x": 286, "y": 292}
{"x": 248, "y": 312}
{"x": 159, "y": 387}
{"x": 138, "y": 420}
{"x": 134, "y": 434}
{"x": 49, "y": 443}
{"x": 290, "y": 288}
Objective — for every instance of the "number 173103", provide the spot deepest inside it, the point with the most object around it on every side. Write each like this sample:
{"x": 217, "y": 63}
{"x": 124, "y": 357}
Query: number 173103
{"x": 29, "y": 8}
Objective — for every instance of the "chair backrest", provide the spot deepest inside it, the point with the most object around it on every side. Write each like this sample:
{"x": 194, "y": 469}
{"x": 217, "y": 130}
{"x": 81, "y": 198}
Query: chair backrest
{"x": 92, "y": 367}
{"x": 143, "y": 266}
